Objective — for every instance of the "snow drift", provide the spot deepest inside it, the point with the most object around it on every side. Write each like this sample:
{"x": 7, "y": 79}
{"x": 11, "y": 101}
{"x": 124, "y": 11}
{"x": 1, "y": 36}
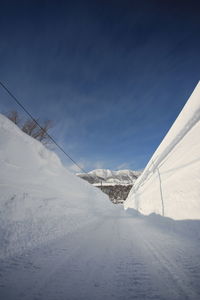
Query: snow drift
{"x": 39, "y": 200}
{"x": 170, "y": 183}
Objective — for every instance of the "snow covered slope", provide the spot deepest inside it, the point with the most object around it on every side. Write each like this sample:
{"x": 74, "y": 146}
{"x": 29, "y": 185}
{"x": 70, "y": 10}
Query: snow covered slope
{"x": 170, "y": 183}
{"x": 39, "y": 199}
{"x": 108, "y": 177}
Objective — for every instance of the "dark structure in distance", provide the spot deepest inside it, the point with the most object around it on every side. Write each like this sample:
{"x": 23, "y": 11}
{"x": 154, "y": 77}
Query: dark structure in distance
{"x": 116, "y": 184}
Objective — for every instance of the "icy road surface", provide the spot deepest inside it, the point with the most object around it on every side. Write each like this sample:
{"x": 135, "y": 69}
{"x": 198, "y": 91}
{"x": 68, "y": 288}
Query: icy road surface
{"x": 118, "y": 257}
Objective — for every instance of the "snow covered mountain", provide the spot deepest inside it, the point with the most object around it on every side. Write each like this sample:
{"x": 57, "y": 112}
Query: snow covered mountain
{"x": 170, "y": 183}
{"x": 108, "y": 177}
{"x": 39, "y": 200}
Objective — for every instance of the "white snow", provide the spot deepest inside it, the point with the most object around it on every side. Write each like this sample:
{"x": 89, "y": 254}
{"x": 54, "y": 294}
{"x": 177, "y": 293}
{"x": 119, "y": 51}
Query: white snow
{"x": 39, "y": 200}
{"x": 61, "y": 238}
{"x": 116, "y": 257}
{"x": 170, "y": 183}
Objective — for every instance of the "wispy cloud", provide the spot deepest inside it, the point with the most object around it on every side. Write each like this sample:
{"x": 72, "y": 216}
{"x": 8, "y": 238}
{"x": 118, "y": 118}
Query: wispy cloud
{"x": 72, "y": 168}
{"x": 123, "y": 166}
{"x": 112, "y": 87}
{"x": 99, "y": 165}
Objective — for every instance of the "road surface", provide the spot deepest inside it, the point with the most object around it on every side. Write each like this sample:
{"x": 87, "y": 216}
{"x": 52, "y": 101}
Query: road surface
{"x": 122, "y": 256}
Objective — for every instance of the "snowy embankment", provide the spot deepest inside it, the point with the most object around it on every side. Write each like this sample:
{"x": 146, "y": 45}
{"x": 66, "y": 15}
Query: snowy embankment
{"x": 170, "y": 183}
{"x": 39, "y": 200}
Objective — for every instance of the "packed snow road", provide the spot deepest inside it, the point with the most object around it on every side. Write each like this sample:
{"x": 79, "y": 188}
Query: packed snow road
{"x": 121, "y": 256}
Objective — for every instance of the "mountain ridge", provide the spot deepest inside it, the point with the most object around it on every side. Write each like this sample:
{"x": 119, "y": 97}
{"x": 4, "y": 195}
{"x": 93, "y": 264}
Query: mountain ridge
{"x": 110, "y": 177}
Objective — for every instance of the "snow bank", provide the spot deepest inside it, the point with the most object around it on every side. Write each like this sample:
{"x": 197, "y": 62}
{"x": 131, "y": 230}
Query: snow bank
{"x": 39, "y": 200}
{"x": 170, "y": 183}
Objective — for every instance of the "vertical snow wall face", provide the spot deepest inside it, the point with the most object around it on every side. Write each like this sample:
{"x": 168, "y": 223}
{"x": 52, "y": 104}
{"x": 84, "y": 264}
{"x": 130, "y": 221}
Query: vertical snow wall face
{"x": 170, "y": 183}
{"x": 40, "y": 200}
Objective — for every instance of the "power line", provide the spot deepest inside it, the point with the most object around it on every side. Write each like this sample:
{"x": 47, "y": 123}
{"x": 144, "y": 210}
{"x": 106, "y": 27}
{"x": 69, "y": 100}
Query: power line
{"x": 30, "y": 115}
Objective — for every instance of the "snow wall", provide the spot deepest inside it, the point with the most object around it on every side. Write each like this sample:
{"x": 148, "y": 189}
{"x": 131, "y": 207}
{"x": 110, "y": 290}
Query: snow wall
{"x": 39, "y": 199}
{"x": 170, "y": 183}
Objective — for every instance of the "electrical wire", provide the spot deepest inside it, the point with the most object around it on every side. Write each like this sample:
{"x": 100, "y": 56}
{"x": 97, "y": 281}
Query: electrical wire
{"x": 30, "y": 115}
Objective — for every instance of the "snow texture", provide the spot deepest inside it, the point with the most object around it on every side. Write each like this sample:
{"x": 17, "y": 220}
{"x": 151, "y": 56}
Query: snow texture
{"x": 170, "y": 183}
{"x": 61, "y": 238}
{"x": 39, "y": 200}
{"x": 121, "y": 257}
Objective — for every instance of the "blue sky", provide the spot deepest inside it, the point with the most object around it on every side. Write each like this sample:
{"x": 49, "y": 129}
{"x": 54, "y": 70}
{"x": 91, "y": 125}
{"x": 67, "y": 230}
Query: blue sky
{"x": 112, "y": 75}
